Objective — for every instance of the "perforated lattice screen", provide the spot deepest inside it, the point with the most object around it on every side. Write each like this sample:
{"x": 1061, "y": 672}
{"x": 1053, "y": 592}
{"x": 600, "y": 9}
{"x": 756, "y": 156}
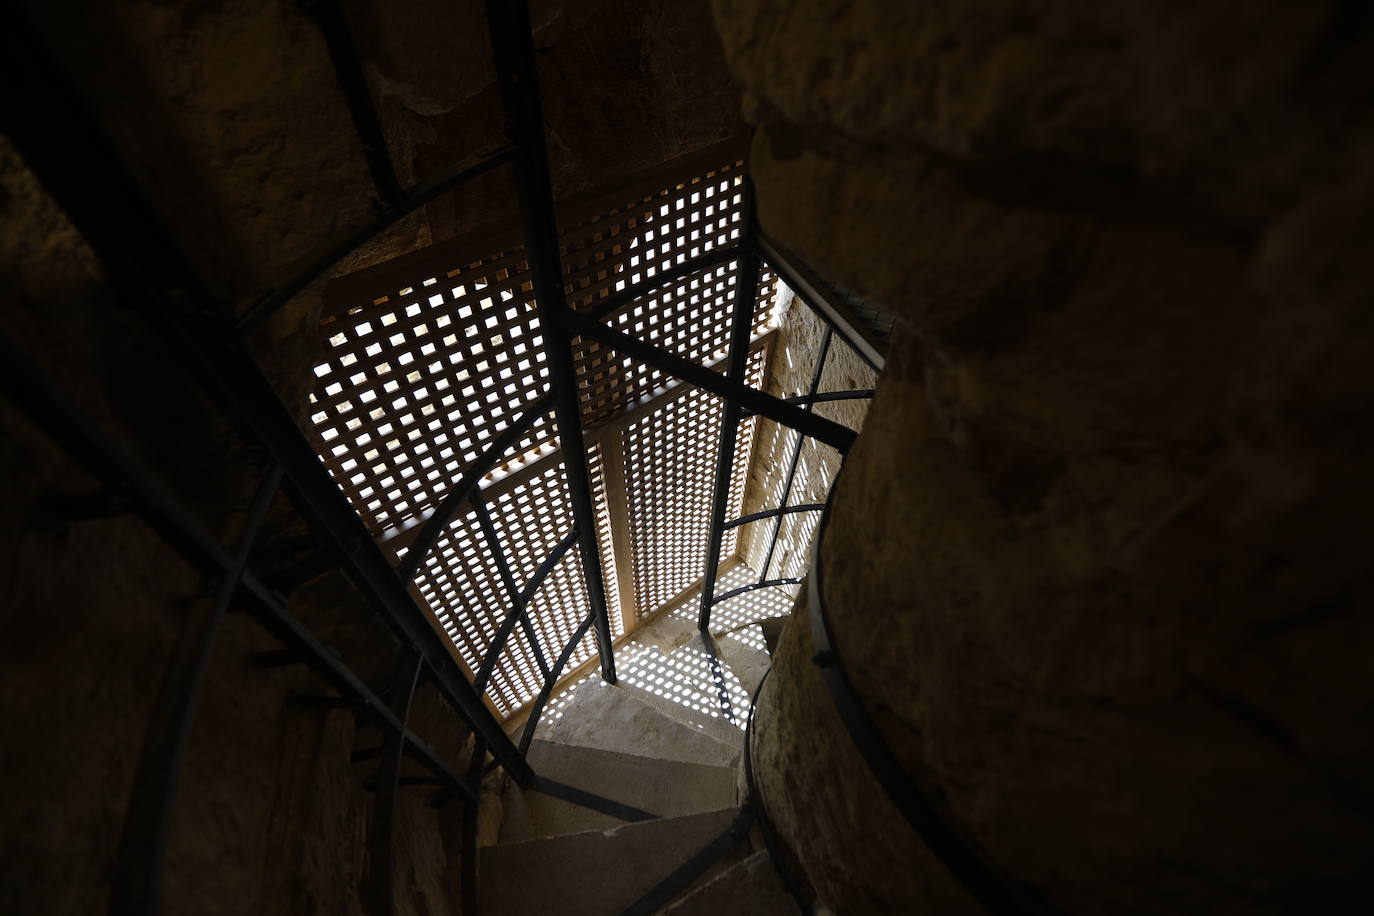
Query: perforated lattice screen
{"x": 417, "y": 385}
{"x": 670, "y": 462}
{"x": 419, "y": 381}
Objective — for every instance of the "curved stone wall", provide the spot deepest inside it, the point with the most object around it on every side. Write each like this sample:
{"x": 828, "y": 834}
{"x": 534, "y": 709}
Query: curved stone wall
{"x": 1098, "y": 563}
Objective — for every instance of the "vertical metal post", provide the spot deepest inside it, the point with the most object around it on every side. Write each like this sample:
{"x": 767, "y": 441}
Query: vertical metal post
{"x": 381, "y": 898}
{"x": 84, "y": 173}
{"x": 148, "y": 819}
{"x": 332, "y": 21}
{"x": 518, "y": 78}
{"x": 470, "y": 817}
{"x": 796, "y": 451}
{"x": 741, "y": 321}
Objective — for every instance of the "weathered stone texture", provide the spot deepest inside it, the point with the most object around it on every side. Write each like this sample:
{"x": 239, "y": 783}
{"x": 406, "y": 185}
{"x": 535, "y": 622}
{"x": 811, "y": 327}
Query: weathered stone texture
{"x": 793, "y": 360}
{"x": 1097, "y": 562}
{"x": 231, "y": 118}
{"x": 271, "y": 814}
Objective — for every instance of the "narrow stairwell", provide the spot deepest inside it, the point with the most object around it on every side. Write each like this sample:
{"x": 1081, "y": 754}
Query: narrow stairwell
{"x": 639, "y": 805}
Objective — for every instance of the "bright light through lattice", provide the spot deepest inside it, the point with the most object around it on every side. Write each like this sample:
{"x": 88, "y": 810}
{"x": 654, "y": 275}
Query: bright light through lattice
{"x": 424, "y": 374}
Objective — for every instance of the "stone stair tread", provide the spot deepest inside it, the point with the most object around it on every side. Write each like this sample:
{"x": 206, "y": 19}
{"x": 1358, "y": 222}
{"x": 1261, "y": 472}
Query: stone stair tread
{"x": 749, "y": 887}
{"x": 592, "y": 873}
{"x": 717, "y": 726}
{"x": 615, "y": 719}
{"x": 666, "y": 788}
{"x": 713, "y": 678}
{"x": 531, "y": 815}
{"x": 737, "y": 650}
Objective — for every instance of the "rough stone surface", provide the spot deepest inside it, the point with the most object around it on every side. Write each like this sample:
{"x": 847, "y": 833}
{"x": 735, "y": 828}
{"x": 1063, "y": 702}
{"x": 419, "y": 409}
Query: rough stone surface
{"x": 639, "y": 856}
{"x": 750, "y": 887}
{"x": 1097, "y": 562}
{"x": 666, "y": 788}
{"x": 613, "y": 719}
{"x": 229, "y": 116}
{"x": 792, "y": 362}
{"x": 270, "y": 813}
{"x": 232, "y": 120}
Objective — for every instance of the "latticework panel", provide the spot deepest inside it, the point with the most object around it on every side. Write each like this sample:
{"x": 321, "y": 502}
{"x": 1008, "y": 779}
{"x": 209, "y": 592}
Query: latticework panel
{"x": 461, "y": 583}
{"x": 643, "y": 239}
{"x": 670, "y": 461}
{"x": 792, "y": 558}
{"x": 530, "y": 519}
{"x": 417, "y": 384}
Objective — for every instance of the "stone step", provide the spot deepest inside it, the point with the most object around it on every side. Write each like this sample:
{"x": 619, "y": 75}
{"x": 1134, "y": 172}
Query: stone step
{"x": 666, "y": 788}
{"x": 750, "y": 887}
{"x": 595, "y": 873}
{"x": 742, "y": 650}
{"x": 706, "y": 679}
{"x": 772, "y": 631}
{"x": 614, "y": 719}
{"x": 705, "y": 715}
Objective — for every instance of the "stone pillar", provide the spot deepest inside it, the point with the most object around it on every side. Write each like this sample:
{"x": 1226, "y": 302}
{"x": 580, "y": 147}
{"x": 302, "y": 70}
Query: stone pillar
{"x": 1098, "y": 564}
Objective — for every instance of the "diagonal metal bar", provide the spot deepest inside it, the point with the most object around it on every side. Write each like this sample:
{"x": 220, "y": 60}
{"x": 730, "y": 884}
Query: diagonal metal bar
{"x": 773, "y": 513}
{"x": 330, "y": 18}
{"x": 752, "y": 586}
{"x": 741, "y": 321}
{"x": 793, "y": 461}
{"x": 387, "y": 217}
{"x": 727, "y": 709}
{"x": 513, "y": 593}
{"x": 274, "y": 617}
{"x": 821, "y": 299}
{"x": 817, "y": 427}
{"x": 518, "y": 79}
{"x": 681, "y": 878}
{"x": 853, "y": 394}
{"x": 517, "y": 611}
{"x": 181, "y": 530}
{"x": 137, "y": 885}
{"x": 381, "y": 826}
{"x": 537, "y": 709}
{"x": 84, "y": 173}
{"x": 621, "y": 298}
{"x": 467, "y": 488}
{"x": 592, "y": 801}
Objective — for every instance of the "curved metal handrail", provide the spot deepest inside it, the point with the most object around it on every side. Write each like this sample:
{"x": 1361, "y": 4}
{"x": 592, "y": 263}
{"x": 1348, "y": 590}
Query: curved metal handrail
{"x": 515, "y": 614}
{"x": 388, "y": 216}
{"x": 447, "y": 510}
{"x": 771, "y": 841}
{"x": 770, "y": 513}
{"x": 767, "y": 583}
{"x": 554, "y": 673}
{"x": 997, "y": 892}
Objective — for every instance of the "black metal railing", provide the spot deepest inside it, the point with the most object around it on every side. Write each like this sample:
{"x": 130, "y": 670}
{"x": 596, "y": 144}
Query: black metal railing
{"x": 936, "y": 826}
{"x": 83, "y": 171}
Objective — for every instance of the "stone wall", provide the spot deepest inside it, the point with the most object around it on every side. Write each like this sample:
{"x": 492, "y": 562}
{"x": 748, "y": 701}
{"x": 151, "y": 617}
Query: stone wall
{"x": 1098, "y": 562}
{"x": 792, "y": 362}
{"x": 271, "y": 814}
{"x": 229, "y": 116}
